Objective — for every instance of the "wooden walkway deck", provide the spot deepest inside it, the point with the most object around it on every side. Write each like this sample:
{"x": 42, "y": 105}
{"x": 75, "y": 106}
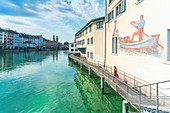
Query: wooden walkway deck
{"x": 128, "y": 92}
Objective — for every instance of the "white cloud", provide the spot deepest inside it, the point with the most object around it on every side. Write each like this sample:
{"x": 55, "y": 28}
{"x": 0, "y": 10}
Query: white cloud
{"x": 11, "y": 4}
{"x": 56, "y": 18}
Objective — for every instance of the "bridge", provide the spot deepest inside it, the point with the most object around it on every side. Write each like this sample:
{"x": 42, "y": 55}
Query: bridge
{"x": 142, "y": 95}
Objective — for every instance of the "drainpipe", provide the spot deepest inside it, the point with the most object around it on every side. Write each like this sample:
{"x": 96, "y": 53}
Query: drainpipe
{"x": 105, "y": 33}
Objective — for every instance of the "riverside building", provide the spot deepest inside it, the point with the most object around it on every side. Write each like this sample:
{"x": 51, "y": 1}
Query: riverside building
{"x": 8, "y": 36}
{"x": 138, "y": 37}
{"x": 1, "y": 39}
{"x": 90, "y": 39}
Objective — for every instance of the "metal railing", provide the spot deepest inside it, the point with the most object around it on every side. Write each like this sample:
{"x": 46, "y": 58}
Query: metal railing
{"x": 135, "y": 89}
{"x": 158, "y": 93}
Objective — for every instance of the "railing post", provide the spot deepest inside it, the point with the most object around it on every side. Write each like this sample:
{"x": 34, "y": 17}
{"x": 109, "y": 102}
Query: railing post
{"x": 134, "y": 82}
{"x": 157, "y": 99}
{"x": 124, "y": 76}
{"x": 125, "y": 106}
{"x": 81, "y": 66}
{"x": 140, "y": 99}
{"x": 150, "y": 91}
{"x": 102, "y": 84}
{"x": 127, "y": 93}
{"x": 90, "y": 71}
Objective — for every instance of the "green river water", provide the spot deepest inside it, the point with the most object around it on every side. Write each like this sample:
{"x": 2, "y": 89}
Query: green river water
{"x": 47, "y": 82}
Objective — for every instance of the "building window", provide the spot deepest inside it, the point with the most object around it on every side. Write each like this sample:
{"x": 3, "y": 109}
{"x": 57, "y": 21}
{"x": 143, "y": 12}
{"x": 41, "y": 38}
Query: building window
{"x": 88, "y": 41}
{"x": 99, "y": 25}
{"x": 168, "y": 46}
{"x": 117, "y": 11}
{"x": 0, "y": 34}
{"x": 87, "y": 54}
{"x": 110, "y": 1}
{"x": 83, "y": 42}
{"x": 90, "y": 28}
{"x": 91, "y": 55}
{"x": 119, "y": 8}
{"x": 139, "y": 1}
{"x": 114, "y": 45}
{"x": 82, "y": 50}
{"x": 91, "y": 40}
{"x": 86, "y": 30}
{"x": 83, "y": 32}
{"x": 109, "y": 16}
{"x": 76, "y": 49}
{"x": 75, "y": 45}
{"x": 72, "y": 45}
{"x": 112, "y": 14}
{"x": 72, "y": 49}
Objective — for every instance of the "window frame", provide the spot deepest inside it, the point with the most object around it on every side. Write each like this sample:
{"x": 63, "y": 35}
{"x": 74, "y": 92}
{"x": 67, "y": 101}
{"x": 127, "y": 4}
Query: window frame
{"x": 99, "y": 25}
{"x": 167, "y": 49}
{"x": 90, "y": 28}
{"x": 138, "y": 2}
{"x": 91, "y": 40}
{"x": 114, "y": 45}
{"x": 88, "y": 41}
{"x": 87, "y": 54}
{"x": 91, "y": 55}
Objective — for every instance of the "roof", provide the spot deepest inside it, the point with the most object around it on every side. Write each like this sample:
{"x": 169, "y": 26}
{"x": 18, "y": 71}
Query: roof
{"x": 72, "y": 43}
{"x": 30, "y": 42}
{"x": 1, "y": 29}
{"x": 93, "y": 20}
{"x": 30, "y": 36}
{"x": 10, "y": 31}
{"x": 44, "y": 39}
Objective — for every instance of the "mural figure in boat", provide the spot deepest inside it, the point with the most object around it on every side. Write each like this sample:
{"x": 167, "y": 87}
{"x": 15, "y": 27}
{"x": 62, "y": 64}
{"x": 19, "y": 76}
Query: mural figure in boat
{"x": 148, "y": 45}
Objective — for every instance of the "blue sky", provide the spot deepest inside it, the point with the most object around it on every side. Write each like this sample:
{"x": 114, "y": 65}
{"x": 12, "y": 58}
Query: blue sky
{"x": 49, "y": 17}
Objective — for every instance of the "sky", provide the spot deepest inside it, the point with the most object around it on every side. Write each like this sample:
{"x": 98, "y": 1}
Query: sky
{"x": 49, "y": 17}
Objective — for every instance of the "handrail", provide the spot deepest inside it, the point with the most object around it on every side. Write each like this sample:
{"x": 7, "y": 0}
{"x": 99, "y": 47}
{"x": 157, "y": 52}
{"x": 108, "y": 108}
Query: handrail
{"x": 129, "y": 75}
{"x": 155, "y": 83}
{"x": 142, "y": 94}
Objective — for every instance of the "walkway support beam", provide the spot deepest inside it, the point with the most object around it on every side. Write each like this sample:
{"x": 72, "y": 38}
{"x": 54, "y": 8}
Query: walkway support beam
{"x": 102, "y": 84}
{"x": 81, "y": 66}
{"x": 90, "y": 70}
{"x": 125, "y": 106}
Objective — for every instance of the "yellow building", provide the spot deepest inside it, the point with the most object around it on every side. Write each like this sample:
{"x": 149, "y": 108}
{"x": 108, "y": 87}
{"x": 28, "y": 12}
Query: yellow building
{"x": 90, "y": 39}
{"x": 138, "y": 37}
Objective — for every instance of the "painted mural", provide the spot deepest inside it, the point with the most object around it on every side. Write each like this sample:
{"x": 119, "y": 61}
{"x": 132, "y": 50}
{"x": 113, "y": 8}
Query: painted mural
{"x": 141, "y": 46}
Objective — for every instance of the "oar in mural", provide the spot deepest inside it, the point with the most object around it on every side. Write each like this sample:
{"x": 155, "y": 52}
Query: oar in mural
{"x": 146, "y": 34}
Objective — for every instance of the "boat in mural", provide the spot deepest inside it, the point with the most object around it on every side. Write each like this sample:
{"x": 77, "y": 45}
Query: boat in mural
{"x": 148, "y": 43}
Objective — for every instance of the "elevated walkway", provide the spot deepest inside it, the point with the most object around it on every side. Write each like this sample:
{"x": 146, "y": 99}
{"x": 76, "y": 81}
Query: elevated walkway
{"x": 146, "y": 98}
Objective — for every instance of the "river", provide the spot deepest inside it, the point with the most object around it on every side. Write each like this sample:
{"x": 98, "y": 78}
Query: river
{"x": 48, "y": 82}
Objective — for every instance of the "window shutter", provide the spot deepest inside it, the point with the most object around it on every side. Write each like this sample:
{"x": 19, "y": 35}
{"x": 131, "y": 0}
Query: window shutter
{"x": 123, "y": 6}
{"x": 106, "y": 18}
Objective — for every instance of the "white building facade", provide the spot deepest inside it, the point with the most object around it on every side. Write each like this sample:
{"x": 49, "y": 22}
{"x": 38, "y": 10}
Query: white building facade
{"x": 73, "y": 48}
{"x": 138, "y": 38}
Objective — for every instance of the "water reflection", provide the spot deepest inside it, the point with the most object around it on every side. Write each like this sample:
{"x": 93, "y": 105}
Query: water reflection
{"x": 9, "y": 61}
{"x": 94, "y": 101}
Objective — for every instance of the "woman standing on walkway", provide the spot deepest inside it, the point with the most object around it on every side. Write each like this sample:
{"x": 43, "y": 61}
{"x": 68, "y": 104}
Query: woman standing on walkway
{"x": 115, "y": 75}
